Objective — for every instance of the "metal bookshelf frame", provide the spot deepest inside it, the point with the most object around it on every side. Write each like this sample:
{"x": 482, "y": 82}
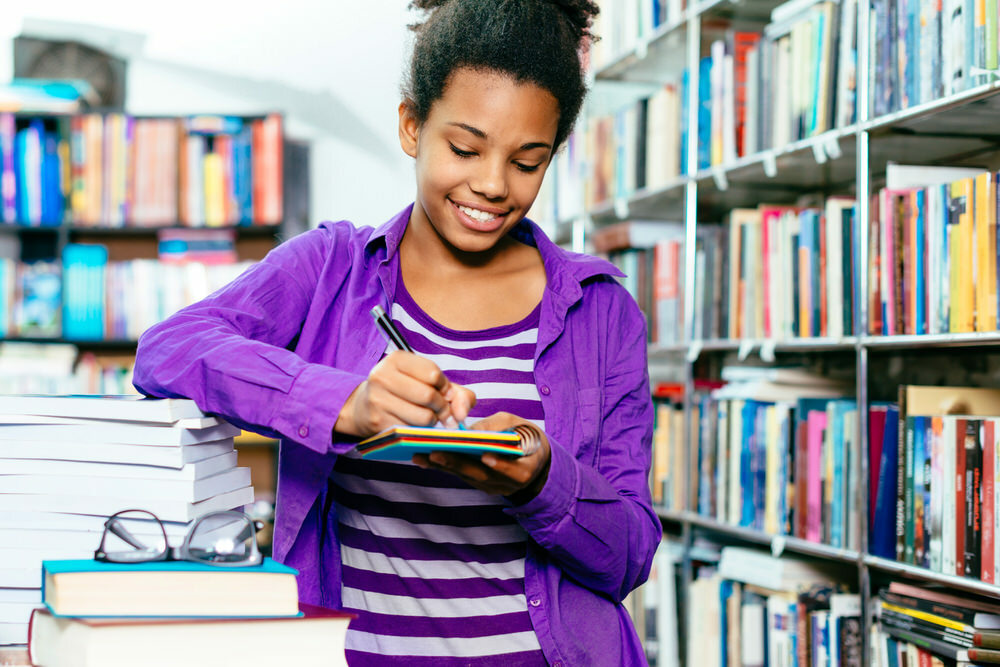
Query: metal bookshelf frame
{"x": 712, "y": 184}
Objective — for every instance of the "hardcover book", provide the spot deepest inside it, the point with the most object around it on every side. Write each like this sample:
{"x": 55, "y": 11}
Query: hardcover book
{"x": 174, "y": 588}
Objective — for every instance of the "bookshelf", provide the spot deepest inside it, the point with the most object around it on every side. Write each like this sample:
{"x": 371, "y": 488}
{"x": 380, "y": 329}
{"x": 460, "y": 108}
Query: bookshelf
{"x": 124, "y": 183}
{"x": 848, "y": 156}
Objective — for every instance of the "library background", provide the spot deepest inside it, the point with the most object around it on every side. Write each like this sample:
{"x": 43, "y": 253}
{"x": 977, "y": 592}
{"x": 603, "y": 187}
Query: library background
{"x": 803, "y": 196}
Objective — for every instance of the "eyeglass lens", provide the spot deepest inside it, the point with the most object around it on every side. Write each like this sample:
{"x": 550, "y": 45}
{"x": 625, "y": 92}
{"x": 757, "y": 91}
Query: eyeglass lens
{"x": 222, "y": 538}
{"x": 134, "y": 536}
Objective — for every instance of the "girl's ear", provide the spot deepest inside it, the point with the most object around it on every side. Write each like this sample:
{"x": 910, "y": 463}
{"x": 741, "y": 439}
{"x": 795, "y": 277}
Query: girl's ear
{"x": 409, "y": 129}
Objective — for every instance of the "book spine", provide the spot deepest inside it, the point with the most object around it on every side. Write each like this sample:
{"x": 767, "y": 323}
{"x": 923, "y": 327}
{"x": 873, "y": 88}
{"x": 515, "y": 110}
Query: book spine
{"x": 987, "y": 565}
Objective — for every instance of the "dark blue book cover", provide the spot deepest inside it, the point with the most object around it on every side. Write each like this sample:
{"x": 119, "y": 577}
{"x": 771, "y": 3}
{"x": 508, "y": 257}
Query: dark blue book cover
{"x": 747, "y": 462}
{"x": 882, "y": 538}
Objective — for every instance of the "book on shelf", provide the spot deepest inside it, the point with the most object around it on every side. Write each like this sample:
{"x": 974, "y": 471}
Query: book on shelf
{"x": 313, "y": 639}
{"x": 768, "y": 456}
{"x": 927, "y": 223}
{"x": 937, "y": 483}
{"x": 168, "y": 588}
{"x": 941, "y": 624}
{"x": 806, "y": 621}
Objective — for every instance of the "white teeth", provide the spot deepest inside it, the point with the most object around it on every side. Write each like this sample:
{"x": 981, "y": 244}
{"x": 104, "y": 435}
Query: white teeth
{"x": 476, "y": 214}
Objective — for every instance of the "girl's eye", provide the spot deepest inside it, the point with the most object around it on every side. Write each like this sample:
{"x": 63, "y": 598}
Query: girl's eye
{"x": 528, "y": 168}
{"x": 459, "y": 152}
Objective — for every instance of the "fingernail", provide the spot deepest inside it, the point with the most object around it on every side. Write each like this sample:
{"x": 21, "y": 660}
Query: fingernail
{"x": 450, "y": 422}
{"x": 437, "y": 458}
{"x": 489, "y": 460}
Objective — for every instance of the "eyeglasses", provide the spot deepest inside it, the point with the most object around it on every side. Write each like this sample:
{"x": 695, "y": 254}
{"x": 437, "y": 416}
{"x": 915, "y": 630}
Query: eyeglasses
{"x": 226, "y": 538}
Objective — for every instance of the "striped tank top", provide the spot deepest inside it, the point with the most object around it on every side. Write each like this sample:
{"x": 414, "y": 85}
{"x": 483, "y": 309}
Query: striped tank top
{"x": 433, "y": 568}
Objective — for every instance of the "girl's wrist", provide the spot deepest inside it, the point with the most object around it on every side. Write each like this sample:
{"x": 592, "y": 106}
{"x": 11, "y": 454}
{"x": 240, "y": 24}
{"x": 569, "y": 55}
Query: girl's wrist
{"x": 530, "y": 491}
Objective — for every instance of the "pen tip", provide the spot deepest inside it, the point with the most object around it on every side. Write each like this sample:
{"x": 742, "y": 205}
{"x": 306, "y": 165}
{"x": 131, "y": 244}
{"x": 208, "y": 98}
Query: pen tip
{"x": 377, "y": 312}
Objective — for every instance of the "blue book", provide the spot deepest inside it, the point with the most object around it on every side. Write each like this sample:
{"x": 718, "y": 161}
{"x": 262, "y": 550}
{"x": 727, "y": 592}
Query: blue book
{"x": 882, "y": 538}
{"x": 685, "y": 88}
{"x": 919, "y": 274}
{"x": 840, "y": 474}
{"x": 748, "y": 417}
{"x": 168, "y": 589}
{"x": 705, "y": 113}
{"x": 84, "y": 267}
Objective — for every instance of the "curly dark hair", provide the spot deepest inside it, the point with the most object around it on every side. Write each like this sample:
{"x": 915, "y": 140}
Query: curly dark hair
{"x": 534, "y": 41}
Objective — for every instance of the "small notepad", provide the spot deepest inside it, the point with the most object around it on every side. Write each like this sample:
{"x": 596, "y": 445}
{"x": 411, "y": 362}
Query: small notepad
{"x": 400, "y": 443}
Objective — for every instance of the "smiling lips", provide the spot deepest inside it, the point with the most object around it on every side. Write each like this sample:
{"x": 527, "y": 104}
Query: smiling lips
{"x": 482, "y": 220}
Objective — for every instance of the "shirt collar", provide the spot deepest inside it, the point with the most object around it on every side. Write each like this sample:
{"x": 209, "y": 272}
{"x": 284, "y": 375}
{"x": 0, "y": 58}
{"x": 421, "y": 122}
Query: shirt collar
{"x": 566, "y": 270}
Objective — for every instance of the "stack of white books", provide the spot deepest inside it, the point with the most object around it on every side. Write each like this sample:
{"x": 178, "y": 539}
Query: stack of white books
{"x": 67, "y": 463}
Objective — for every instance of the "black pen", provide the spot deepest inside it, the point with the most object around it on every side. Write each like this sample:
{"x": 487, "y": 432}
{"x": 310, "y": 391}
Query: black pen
{"x": 392, "y": 334}
{"x": 390, "y": 330}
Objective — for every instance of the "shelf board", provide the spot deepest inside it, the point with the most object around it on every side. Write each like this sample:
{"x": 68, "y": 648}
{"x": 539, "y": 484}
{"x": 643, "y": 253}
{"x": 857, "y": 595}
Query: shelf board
{"x": 663, "y": 203}
{"x": 984, "y": 339}
{"x": 777, "y": 544}
{"x": 826, "y": 161}
{"x": 749, "y": 345}
{"x": 914, "y": 572}
{"x": 967, "y": 112}
{"x": 657, "y": 57}
{"x": 250, "y": 230}
{"x": 86, "y": 344}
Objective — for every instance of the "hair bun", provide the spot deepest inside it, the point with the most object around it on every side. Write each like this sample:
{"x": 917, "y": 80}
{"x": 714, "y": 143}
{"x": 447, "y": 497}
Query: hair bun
{"x": 579, "y": 12}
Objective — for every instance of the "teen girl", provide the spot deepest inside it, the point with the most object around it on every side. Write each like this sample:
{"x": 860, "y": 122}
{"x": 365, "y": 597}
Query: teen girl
{"x": 449, "y": 560}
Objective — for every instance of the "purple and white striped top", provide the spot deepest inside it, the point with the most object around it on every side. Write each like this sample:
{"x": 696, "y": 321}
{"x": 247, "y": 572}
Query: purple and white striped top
{"x": 434, "y": 568}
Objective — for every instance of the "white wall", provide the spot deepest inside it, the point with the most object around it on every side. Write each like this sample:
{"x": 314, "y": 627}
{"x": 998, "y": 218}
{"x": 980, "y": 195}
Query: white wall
{"x": 333, "y": 67}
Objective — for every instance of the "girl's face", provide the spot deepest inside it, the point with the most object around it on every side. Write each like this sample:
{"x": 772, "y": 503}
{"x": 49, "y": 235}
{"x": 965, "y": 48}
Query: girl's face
{"x": 480, "y": 156}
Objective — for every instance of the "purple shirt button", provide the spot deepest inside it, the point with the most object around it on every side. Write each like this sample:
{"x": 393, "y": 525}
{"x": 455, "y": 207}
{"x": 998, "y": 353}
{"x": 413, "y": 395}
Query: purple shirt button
{"x": 535, "y": 602}
{"x": 303, "y": 431}
{"x": 545, "y": 390}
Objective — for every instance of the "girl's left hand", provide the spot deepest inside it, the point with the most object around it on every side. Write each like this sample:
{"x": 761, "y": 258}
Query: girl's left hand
{"x": 520, "y": 477}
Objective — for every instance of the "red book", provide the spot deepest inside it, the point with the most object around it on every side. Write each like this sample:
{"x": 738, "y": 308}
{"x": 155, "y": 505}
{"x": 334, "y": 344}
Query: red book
{"x": 874, "y": 288}
{"x": 987, "y": 560}
{"x": 801, "y": 479}
{"x": 960, "y": 497}
{"x": 876, "y": 430}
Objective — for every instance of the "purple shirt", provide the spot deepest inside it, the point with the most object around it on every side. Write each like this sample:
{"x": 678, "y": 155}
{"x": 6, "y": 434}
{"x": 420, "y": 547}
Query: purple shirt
{"x": 281, "y": 348}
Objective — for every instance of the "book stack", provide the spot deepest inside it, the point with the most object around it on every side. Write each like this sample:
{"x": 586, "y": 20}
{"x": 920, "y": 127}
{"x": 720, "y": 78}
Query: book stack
{"x": 925, "y": 626}
{"x": 756, "y": 609}
{"x": 161, "y": 614}
{"x": 69, "y": 462}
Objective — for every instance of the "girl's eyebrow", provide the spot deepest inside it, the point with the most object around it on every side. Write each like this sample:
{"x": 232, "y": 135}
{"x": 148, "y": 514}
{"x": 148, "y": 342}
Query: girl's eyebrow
{"x": 482, "y": 135}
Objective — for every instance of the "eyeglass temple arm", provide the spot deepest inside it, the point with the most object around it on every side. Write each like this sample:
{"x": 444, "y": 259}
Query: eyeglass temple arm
{"x": 121, "y": 531}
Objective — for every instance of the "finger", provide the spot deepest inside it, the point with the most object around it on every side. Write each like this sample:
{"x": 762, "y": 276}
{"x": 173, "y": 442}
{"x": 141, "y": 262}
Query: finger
{"x": 421, "y": 369}
{"x": 463, "y": 466}
{"x": 412, "y": 390}
{"x": 500, "y": 421}
{"x": 390, "y": 410}
{"x": 515, "y": 469}
{"x": 460, "y": 399}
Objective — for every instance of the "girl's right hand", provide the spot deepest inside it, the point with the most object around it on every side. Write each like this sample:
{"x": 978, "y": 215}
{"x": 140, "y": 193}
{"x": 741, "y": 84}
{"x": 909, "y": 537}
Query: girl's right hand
{"x": 403, "y": 388}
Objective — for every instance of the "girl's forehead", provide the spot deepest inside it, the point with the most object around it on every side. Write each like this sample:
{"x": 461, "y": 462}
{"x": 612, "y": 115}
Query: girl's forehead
{"x": 489, "y": 94}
